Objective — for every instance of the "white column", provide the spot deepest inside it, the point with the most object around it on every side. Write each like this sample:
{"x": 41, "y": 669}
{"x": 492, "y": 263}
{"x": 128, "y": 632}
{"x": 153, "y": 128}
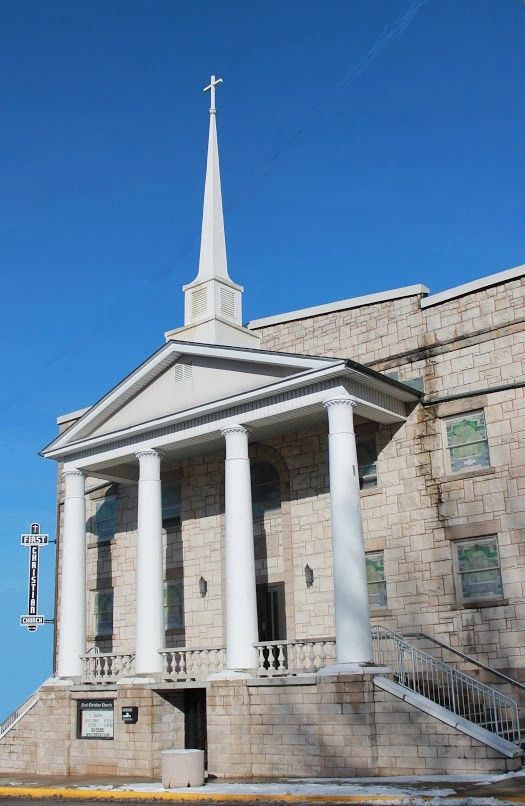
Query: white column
{"x": 352, "y": 619}
{"x": 149, "y": 635}
{"x": 72, "y": 608}
{"x": 241, "y": 600}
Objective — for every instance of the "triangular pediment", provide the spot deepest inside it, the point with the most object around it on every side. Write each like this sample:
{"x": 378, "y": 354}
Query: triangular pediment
{"x": 179, "y": 377}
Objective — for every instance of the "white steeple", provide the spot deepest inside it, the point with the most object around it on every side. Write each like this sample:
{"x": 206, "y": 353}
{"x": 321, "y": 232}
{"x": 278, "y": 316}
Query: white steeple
{"x": 213, "y": 302}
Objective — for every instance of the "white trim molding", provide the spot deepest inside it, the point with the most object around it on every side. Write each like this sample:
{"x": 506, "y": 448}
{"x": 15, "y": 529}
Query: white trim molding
{"x": 341, "y": 305}
{"x": 475, "y": 285}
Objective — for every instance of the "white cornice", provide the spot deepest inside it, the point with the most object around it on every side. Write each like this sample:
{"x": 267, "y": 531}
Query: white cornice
{"x": 161, "y": 360}
{"x": 330, "y": 307}
{"x": 475, "y": 285}
{"x": 373, "y": 381}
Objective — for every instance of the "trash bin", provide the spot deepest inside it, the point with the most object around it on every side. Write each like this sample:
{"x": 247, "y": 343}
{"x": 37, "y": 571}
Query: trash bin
{"x": 181, "y": 768}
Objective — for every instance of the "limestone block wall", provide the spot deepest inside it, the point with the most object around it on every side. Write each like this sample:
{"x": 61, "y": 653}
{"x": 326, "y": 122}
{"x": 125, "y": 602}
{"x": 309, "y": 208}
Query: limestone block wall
{"x": 45, "y": 741}
{"x": 466, "y": 346}
{"x": 332, "y": 727}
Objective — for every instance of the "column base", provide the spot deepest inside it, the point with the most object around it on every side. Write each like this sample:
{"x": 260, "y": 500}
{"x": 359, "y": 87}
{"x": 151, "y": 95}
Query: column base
{"x": 350, "y": 668}
{"x": 60, "y": 682}
{"x": 232, "y": 674}
{"x": 137, "y": 679}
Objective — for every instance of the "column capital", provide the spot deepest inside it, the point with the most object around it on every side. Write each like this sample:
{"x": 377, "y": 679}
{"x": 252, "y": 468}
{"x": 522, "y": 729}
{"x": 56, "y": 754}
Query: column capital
{"x": 234, "y": 429}
{"x": 334, "y": 401}
{"x": 73, "y": 472}
{"x": 148, "y": 452}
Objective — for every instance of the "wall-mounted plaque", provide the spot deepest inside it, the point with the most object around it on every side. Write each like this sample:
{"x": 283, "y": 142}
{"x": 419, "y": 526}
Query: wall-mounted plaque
{"x": 95, "y": 719}
{"x": 130, "y": 714}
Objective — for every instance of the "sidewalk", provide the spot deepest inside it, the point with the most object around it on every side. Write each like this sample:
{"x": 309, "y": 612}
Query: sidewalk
{"x": 487, "y": 790}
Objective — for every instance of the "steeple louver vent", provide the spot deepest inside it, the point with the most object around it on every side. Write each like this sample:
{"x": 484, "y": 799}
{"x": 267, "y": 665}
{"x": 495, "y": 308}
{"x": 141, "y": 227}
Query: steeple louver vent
{"x": 183, "y": 372}
{"x": 227, "y": 301}
{"x": 199, "y": 302}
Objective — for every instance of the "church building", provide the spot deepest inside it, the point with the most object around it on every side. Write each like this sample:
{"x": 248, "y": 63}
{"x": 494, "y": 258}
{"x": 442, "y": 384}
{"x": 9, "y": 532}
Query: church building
{"x": 297, "y": 544}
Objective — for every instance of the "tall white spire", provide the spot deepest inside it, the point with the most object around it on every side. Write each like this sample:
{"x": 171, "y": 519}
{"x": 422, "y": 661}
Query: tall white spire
{"x": 213, "y": 302}
{"x": 212, "y": 260}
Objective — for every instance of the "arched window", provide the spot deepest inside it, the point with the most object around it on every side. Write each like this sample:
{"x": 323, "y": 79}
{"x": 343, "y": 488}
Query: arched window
{"x": 266, "y": 488}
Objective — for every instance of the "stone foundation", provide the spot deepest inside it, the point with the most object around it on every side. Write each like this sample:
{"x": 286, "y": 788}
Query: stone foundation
{"x": 328, "y": 726}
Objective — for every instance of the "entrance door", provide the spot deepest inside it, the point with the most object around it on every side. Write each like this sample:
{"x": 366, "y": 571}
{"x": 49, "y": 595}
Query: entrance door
{"x": 271, "y": 613}
{"x": 195, "y": 720}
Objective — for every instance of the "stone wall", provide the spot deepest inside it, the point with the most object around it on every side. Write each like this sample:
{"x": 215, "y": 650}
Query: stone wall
{"x": 466, "y": 347}
{"x": 332, "y": 727}
{"x": 45, "y": 741}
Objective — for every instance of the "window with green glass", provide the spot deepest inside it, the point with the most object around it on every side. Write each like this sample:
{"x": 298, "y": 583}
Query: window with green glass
{"x": 173, "y": 606}
{"x": 375, "y": 577}
{"x": 171, "y": 504}
{"x": 105, "y": 518}
{"x": 103, "y": 609}
{"x": 467, "y": 442}
{"x": 478, "y": 568}
{"x": 266, "y": 488}
{"x": 367, "y": 462}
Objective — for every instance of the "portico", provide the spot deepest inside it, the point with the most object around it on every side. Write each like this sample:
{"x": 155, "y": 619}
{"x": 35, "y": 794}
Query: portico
{"x": 329, "y": 392}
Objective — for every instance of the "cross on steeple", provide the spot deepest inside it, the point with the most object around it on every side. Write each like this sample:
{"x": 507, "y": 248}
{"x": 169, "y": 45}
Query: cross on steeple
{"x": 211, "y": 86}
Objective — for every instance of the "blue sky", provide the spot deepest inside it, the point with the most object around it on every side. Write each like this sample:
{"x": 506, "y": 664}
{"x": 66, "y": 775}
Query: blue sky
{"x": 364, "y": 146}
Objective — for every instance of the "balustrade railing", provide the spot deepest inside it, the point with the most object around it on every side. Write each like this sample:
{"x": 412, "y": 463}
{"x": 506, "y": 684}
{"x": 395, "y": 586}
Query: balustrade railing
{"x": 447, "y": 686}
{"x": 105, "y": 667}
{"x": 185, "y": 663}
{"x": 280, "y": 658}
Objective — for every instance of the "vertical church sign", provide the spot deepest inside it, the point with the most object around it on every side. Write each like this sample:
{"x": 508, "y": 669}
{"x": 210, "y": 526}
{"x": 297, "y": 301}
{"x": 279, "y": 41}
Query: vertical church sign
{"x": 33, "y": 540}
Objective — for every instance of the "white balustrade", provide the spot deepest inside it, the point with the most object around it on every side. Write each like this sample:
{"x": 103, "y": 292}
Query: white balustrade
{"x": 186, "y": 663}
{"x": 102, "y": 667}
{"x": 282, "y": 658}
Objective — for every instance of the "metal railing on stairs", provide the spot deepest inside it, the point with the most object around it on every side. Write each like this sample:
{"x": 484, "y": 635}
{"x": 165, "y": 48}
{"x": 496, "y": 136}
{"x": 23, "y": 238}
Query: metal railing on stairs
{"x": 18, "y": 713}
{"x": 447, "y": 686}
{"x": 511, "y": 681}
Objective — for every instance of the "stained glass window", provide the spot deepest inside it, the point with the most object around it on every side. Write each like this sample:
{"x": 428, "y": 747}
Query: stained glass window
{"x": 479, "y": 569}
{"x": 105, "y": 518}
{"x": 266, "y": 488}
{"x": 173, "y": 606}
{"x": 171, "y": 504}
{"x": 467, "y": 442}
{"x": 367, "y": 462}
{"x": 375, "y": 577}
{"x": 103, "y": 608}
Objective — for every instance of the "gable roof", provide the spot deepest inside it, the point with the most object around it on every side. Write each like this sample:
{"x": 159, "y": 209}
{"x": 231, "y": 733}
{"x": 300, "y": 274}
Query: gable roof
{"x": 159, "y": 362}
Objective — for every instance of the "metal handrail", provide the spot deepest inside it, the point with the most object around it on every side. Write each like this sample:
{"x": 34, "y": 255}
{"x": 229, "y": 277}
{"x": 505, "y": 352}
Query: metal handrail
{"x": 18, "y": 713}
{"x": 466, "y": 657}
{"x": 446, "y": 686}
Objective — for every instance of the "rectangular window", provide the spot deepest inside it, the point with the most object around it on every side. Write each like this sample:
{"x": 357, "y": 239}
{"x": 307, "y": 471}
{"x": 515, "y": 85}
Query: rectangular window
{"x": 103, "y": 610}
{"x": 105, "y": 518}
{"x": 478, "y": 569}
{"x": 467, "y": 442}
{"x": 375, "y": 577}
{"x": 367, "y": 462}
{"x": 173, "y": 606}
{"x": 171, "y": 504}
